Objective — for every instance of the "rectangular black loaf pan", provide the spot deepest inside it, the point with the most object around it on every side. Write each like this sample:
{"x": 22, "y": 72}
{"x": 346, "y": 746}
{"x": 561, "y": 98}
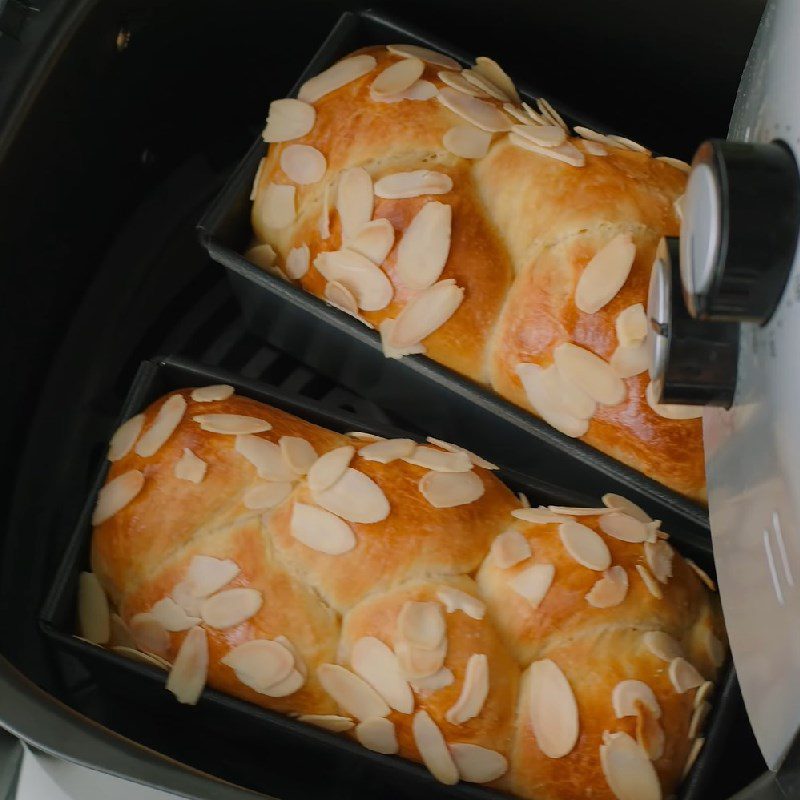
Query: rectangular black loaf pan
{"x": 281, "y": 742}
{"x": 416, "y": 388}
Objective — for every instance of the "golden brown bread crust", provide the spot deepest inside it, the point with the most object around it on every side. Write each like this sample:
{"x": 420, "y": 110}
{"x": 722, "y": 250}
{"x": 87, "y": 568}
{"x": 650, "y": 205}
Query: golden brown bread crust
{"x": 323, "y": 604}
{"x": 524, "y": 227}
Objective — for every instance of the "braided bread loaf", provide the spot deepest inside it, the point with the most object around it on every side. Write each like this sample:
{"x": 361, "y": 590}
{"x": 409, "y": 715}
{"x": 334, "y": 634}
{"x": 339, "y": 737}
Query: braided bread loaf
{"x": 392, "y": 191}
{"x": 402, "y": 594}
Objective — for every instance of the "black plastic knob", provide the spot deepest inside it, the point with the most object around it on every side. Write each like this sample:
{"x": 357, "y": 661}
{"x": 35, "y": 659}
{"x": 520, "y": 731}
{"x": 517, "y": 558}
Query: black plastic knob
{"x": 741, "y": 216}
{"x": 692, "y": 362}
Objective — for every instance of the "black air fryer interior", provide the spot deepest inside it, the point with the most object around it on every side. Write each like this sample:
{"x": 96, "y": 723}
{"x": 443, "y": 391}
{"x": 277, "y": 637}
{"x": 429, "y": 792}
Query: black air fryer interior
{"x": 110, "y": 149}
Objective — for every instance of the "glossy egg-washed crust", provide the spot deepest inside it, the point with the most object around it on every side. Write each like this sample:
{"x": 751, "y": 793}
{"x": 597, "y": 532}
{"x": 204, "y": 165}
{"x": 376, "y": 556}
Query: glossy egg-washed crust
{"x": 323, "y": 603}
{"x": 524, "y": 226}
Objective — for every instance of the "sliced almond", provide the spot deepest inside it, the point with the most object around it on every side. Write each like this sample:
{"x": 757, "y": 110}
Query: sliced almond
{"x": 364, "y": 437}
{"x": 543, "y": 135}
{"x": 548, "y": 110}
{"x": 662, "y": 645}
{"x": 658, "y": 556}
{"x": 418, "y": 663}
{"x": 494, "y": 73}
{"x": 172, "y": 617}
{"x": 288, "y": 119}
{"x": 299, "y": 664}
{"x": 620, "y": 526}
{"x": 379, "y": 667}
{"x": 679, "y": 205}
{"x": 714, "y": 648}
{"x": 697, "y": 746}
{"x": 189, "y": 467}
{"x": 585, "y": 546}
{"x": 378, "y": 734}
{"x": 591, "y": 374}
{"x": 481, "y": 114}
{"x": 424, "y": 53}
{"x": 425, "y": 313}
{"x": 669, "y": 410}
{"x": 354, "y": 200}
{"x": 457, "y": 81}
{"x": 450, "y": 489}
{"x": 630, "y": 361}
{"x": 698, "y": 720}
{"x": 579, "y": 511}
{"x": 478, "y": 764}
{"x": 594, "y": 148}
{"x": 675, "y": 162}
{"x": 117, "y": 494}
{"x": 324, "y": 224}
{"x": 544, "y": 394}
{"x": 320, "y": 530}
{"x": 627, "y": 769}
{"x": 162, "y": 427}
{"x": 631, "y": 325}
{"x": 593, "y": 136}
{"x": 432, "y": 683}
{"x": 533, "y": 582}
{"x": 454, "y": 448}
{"x": 303, "y": 164}
{"x": 292, "y": 683}
{"x": 649, "y": 581}
{"x": 391, "y": 350}
{"x": 610, "y": 590}
{"x": 260, "y": 663}
{"x": 125, "y": 437}
{"x": 397, "y": 77}
{"x": 400, "y": 185}
{"x": 456, "y": 600}
{"x": 297, "y": 262}
{"x": 421, "y": 624}
{"x": 419, "y": 90}
{"x": 266, "y": 457}
{"x": 333, "y": 78}
{"x": 433, "y": 749}
{"x": 518, "y": 113}
{"x": 526, "y": 504}
{"x": 94, "y": 617}
{"x": 621, "y": 503}
{"x": 388, "y": 450}
{"x": 212, "y": 394}
{"x": 467, "y": 141}
{"x": 187, "y": 678}
{"x": 477, "y": 79}
{"x": 266, "y": 495}
{"x": 142, "y": 658}
{"x": 328, "y": 722}
{"x": 355, "y": 497}
{"x": 339, "y": 296}
{"x": 566, "y": 152}
{"x": 374, "y": 240}
{"x": 423, "y": 250}
{"x": 532, "y": 114}
{"x": 329, "y": 467}
{"x": 351, "y": 692}
{"x": 702, "y": 693}
{"x": 438, "y": 460}
{"x": 628, "y": 144}
{"x": 537, "y": 516}
{"x": 649, "y": 733}
{"x": 264, "y": 256}
{"x": 207, "y": 575}
{"x": 509, "y": 548}
{"x": 298, "y": 454}
{"x": 702, "y": 575}
{"x": 683, "y": 675}
{"x": 626, "y": 694}
{"x": 277, "y": 209}
{"x": 149, "y": 634}
{"x": 230, "y": 607}
{"x": 368, "y": 283}
{"x": 553, "y": 709}
{"x": 231, "y": 424}
{"x": 605, "y": 274}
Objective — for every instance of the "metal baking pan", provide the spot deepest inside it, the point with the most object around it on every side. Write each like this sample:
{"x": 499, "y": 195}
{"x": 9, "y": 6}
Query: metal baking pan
{"x": 282, "y": 743}
{"x": 415, "y": 388}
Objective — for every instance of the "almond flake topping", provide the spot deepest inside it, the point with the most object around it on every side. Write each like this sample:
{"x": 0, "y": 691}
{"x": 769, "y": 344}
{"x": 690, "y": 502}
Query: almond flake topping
{"x": 455, "y": 80}
{"x": 649, "y": 734}
{"x": 400, "y": 185}
{"x": 683, "y": 675}
{"x": 339, "y": 296}
{"x": 699, "y": 718}
{"x": 702, "y": 693}
{"x": 425, "y": 313}
{"x": 391, "y": 350}
{"x": 477, "y": 764}
{"x": 509, "y": 548}
{"x": 162, "y": 427}
{"x": 450, "y": 489}
{"x": 454, "y": 448}
{"x": 585, "y": 546}
{"x": 276, "y": 207}
{"x": 477, "y": 79}
{"x": 480, "y": 113}
{"x": 189, "y": 467}
{"x": 545, "y": 393}
{"x": 297, "y": 453}
{"x": 125, "y": 437}
{"x": 630, "y": 361}
{"x": 333, "y": 78}
{"x": 620, "y": 503}
{"x": 590, "y": 373}
{"x": 566, "y": 152}
{"x": 496, "y": 75}
{"x": 702, "y": 575}
{"x": 517, "y": 112}
{"x": 354, "y": 200}
{"x": 205, "y": 576}
{"x": 626, "y": 694}
{"x": 543, "y": 135}
{"x": 187, "y": 678}
{"x": 297, "y": 262}
{"x": 594, "y": 148}
{"x": 388, "y": 450}
{"x": 260, "y": 663}
{"x": 628, "y": 144}
{"x": 605, "y": 274}
{"x": 539, "y": 119}
{"x": 432, "y": 683}
{"x": 231, "y": 424}
{"x": 288, "y": 119}
{"x": 262, "y": 255}
{"x": 379, "y": 667}
{"x": 94, "y": 618}
{"x": 697, "y": 746}
{"x": 669, "y": 410}
{"x": 172, "y": 617}
{"x": 579, "y": 511}
{"x": 421, "y": 624}
{"x": 374, "y": 240}
{"x": 266, "y": 495}
{"x": 231, "y": 607}
{"x": 620, "y": 526}
{"x": 303, "y": 164}
{"x": 548, "y": 111}
{"x": 266, "y": 457}
{"x": 116, "y": 494}
{"x": 329, "y": 467}
{"x": 433, "y": 749}
{"x": 378, "y": 734}
{"x": 649, "y": 581}
{"x": 474, "y": 690}
{"x": 328, "y": 722}
{"x": 397, "y": 77}
{"x": 351, "y": 692}
{"x": 610, "y": 590}
{"x": 417, "y": 662}
{"x": 419, "y": 90}
{"x": 658, "y": 556}
{"x": 533, "y": 582}
{"x": 354, "y": 497}
{"x": 367, "y": 282}
{"x": 456, "y": 600}
{"x": 662, "y": 645}
{"x": 149, "y": 634}
{"x": 537, "y": 516}
{"x": 631, "y": 325}
{"x": 424, "y": 53}
{"x": 320, "y": 530}
{"x": 438, "y": 460}
{"x": 553, "y": 709}
{"x": 324, "y": 224}
{"x": 423, "y": 250}
{"x": 292, "y": 683}
{"x": 627, "y": 768}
